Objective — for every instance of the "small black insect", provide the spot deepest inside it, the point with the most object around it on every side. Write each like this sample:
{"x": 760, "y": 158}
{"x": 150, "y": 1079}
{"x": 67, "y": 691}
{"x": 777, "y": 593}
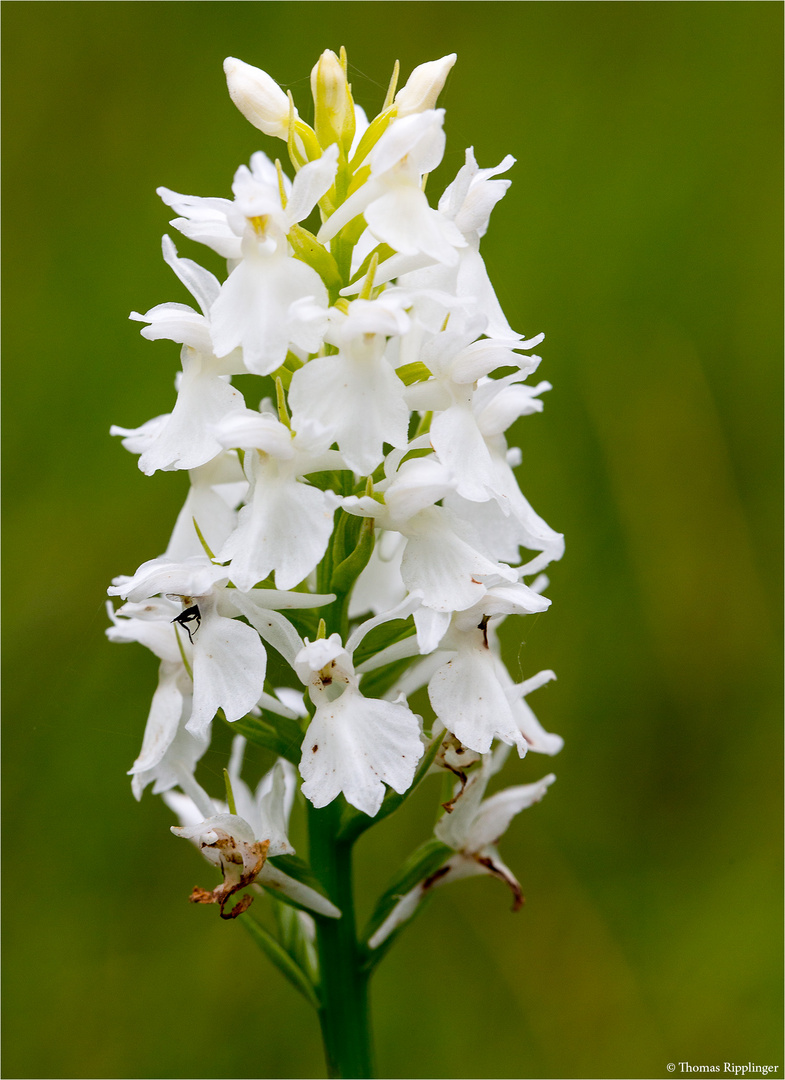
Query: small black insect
{"x": 189, "y": 615}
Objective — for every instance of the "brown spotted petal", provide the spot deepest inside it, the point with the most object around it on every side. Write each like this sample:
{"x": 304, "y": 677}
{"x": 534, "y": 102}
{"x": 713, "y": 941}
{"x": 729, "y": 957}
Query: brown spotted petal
{"x": 461, "y": 865}
{"x": 472, "y": 830}
{"x": 456, "y": 758}
{"x": 228, "y": 842}
{"x": 490, "y": 863}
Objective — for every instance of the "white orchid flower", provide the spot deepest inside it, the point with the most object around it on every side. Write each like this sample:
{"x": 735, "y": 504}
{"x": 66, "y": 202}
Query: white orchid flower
{"x": 473, "y": 830}
{"x": 448, "y": 571}
{"x": 286, "y": 523}
{"x": 169, "y": 753}
{"x": 183, "y": 439}
{"x": 392, "y": 406}
{"x": 457, "y": 361}
{"x": 465, "y": 691}
{"x": 467, "y": 205}
{"x": 240, "y": 844}
{"x": 226, "y": 657}
{"x": 392, "y": 200}
{"x": 217, "y": 488}
{"x": 270, "y": 300}
{"x": 353, "y": 744}
{"x": 355, "y": 394}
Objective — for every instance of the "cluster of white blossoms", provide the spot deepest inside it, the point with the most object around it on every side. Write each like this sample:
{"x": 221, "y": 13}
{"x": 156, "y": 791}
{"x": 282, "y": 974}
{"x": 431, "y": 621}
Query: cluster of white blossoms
{"x": 359, "y": 516}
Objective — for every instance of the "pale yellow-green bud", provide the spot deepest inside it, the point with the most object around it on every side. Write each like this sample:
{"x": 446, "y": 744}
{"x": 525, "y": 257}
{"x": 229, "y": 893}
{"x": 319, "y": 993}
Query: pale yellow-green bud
{"x": 424, "y": 86}
{"x": 258, "y": 97}
{"x": 333, "y": 104}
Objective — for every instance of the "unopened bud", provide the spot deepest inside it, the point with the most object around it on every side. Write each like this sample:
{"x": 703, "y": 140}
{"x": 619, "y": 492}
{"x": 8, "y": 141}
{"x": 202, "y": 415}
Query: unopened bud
{"x": 333, "y": 104}
{"x": 258, "y": 97}
{"x": 424, "y": 86}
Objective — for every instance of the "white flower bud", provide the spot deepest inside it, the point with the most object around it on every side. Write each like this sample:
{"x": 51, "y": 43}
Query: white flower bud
{"x": 424, "y": 86}
{"x": 258, "y": 97}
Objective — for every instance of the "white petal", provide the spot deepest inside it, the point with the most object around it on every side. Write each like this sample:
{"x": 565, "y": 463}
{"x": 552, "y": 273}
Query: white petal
{"x": 418, "y": 484}
{"x": 176, "y": 322}
{"x": 193, "y": 577}
{"x": 402, "y": 911}
{"x": 149, "y": 624}
{"x": 361, "y": 402}
{"x": 137, "y": 440}
{"x": 248, "y": 429}
{"x": 253, "y": 308}
{"x": 178, "y": 762}
{"x": 273, "y": 878}
{"x": 471, "y": 703}
{"x": 380, "y": 585}
{"x": 447, "y": 571}
{"x": 186, "y": 440}
{"x": 403, "y": 219}
{"x": 163, "y": 721}
{"x": 229, "y": 663}
{"x": 431, "y": 627}
{"x": 400, "y": 611}
{"x": 274, "y": 628}
{"x": 460, "y": 446}
{"x": 538, "y": 739}
{"x": 272, "y": 805}
{"x": 505, "y": 407}
{"x": 311, "y": 182}
{"x": 496, "y": 813}
{"x": 453, "y": 829}
{"x": 424, "y": 86}
{"x": 216, "y": 520}
{"x": 356, "y": 745}
{"x": 204, "y": 220}
{"x": 285, "y": 529}
{"x": 418, "y": 138}
{"x": 201, "y": 284}
{"x": 473, "y": 281}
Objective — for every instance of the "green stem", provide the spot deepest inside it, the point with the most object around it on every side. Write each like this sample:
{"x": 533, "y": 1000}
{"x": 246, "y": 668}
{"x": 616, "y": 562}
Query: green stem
{"x": 344, "y": 1014}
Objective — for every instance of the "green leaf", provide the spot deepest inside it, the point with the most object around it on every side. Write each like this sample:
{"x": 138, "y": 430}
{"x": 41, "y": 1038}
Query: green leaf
{"x": 294, "y": 939}
{"x": 354, "y": 822}
{"x": 282, "y": 960}
{"x": 371, "y": 136}
{"x": 307, "y": 248}
{"x": 382, "y": 636}
{"x": 376, "y": 683}
{"x": 349, "y": 569}
{"x": 285, "y": 375}
{"x": 420, "y": 865}
{"x": 346, "y": 532}
{"x": 341, "y": 481}
{"x": 305, "y": 621}
{"x": 277, "y": 733}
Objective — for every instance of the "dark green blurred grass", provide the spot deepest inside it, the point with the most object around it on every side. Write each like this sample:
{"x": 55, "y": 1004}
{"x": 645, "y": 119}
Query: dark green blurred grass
{"x": 642, "y": 234}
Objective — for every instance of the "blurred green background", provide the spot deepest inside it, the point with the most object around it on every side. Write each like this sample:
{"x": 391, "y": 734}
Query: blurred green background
{"x": 642, "y": 233}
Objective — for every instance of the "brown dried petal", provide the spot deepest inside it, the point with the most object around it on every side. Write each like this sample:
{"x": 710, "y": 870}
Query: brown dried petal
{"x": 504, "y": 875}
{"x": 222, "y": 893}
